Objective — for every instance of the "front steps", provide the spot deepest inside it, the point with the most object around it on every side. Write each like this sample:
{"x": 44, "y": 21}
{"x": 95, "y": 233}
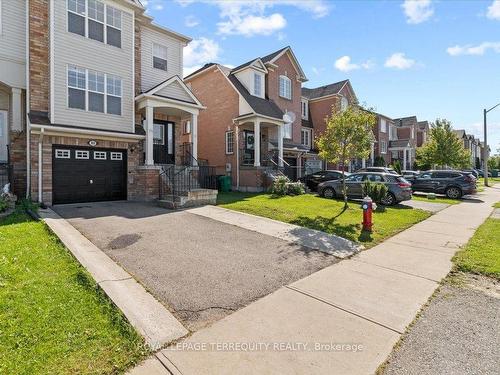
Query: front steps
{"x": 194, "y": 198}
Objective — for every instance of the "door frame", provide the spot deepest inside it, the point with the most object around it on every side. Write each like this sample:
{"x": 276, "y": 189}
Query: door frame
{"x": 5, "y": 114}
{"x": 165, "y": 138}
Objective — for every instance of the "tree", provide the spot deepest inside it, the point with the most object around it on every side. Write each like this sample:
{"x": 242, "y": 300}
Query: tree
{"x": 444, "y": 148}
{"x": 348, "y": 136}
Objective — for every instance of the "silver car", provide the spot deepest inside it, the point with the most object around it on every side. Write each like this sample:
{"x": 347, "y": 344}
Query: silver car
{"x": 398, "y": 188}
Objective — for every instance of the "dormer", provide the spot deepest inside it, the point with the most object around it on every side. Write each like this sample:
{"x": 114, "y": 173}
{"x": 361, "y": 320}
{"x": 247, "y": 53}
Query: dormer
{"x": 252, "y": 76}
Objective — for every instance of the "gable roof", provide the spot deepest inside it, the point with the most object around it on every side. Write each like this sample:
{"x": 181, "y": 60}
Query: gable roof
{"x": 326, "y": 90}
{"x": 272, "y": 56}
{"x": 260, "y": 106}
{"x": 248, "y": 64}
{"x": 179, "y": 84}
{"x": 460, "y": 133}
{"x": 406, "y": 121}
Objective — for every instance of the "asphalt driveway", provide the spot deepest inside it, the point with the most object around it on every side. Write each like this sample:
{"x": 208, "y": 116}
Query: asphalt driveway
{"x": 200, "y": 268}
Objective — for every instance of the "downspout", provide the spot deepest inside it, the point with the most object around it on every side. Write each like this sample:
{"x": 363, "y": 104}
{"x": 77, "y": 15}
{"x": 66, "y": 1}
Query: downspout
{"x": 28, "y": 124}
{"x": 237, "y": 131}
{"x": 40, "y": 166}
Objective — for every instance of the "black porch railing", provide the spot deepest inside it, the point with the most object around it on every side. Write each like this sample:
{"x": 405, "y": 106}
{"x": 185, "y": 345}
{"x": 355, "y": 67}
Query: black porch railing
{"x": 187, "y": 158}
{"x": 179, "y": 180}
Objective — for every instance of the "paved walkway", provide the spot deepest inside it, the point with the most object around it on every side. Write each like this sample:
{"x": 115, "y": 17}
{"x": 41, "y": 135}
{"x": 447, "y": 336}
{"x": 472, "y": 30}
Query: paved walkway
{"x": 310, "y": 238}
{"x": 344, "y": 319}
{"x": 426, "y": 206}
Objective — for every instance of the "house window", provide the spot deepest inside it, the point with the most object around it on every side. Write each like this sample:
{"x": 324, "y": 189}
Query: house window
{"x": 304, "y": 109}
{"x": 116, "y": 156}
{"x": 305, "y": 137}
{"x": 80, "y": 154}
{"x": 187, "y": 127}
{"x": 395, "y": 154}
{"x": 114, "y": 26}
{"x": 114, "y": 95}
{"x": 96, "y": 20}
{"x": 285, "y": 89}
{"x": 99, "y": 155}
{"x": 159, "y": 57}
{"x": 344, "y": 103}
{"x": 229, "y": 142}
{"x": 62, "y": 154}
{"x": 257, "y": 84}
{"x": 158, "y": 134}
{"x": 96, "y": 91}
{"x": 383, "y": 147}
{"x": 76, "y": 17}
{"x": 383, "y": 126}
{"x": 287, "y": 131}
{"x": 76, "y": 87}
{"x": 412, "y": 133}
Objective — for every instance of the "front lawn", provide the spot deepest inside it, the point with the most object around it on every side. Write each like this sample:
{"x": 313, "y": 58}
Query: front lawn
{"x": 482, "y": 252}
{"x": 53, "y": 318}
{"x": 491, "y": 181}
{"x": 439, "y": 199}
{"x": 324, "y": 214}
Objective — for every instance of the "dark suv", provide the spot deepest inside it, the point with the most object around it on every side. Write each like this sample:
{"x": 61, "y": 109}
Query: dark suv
{"x": 378, "y": 169}
{"x": 454, "y": 184}
{"x": 312, "y": 180}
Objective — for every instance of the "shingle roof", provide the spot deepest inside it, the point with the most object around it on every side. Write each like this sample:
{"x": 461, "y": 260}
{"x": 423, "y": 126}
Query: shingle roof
{"x": 318, "y": 92}
{"x": 273, "y": 55}
{"x": 199, "y": 70}
{"x": 399, "y": 143}
{"x": 460, "y": 133}
{"x": 259, "y": 105}
{"x": 406, "y": 121}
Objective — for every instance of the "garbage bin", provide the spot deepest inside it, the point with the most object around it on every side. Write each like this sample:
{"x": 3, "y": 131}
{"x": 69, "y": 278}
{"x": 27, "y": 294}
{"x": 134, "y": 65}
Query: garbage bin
{"x": 224, "y": 184}
{"x": 494, "y": 173}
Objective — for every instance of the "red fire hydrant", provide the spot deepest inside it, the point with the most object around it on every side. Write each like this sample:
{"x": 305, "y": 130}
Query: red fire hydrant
{"x": 368, "y": 206}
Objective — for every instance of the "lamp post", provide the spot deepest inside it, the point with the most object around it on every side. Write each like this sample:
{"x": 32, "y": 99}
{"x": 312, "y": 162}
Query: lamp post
{"x": 485, "y": 152}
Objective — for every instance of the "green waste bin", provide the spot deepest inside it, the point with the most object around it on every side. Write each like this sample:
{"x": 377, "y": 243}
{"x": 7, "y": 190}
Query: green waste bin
{"x": 224, "y": 184}
{"x": 494, "y": 173}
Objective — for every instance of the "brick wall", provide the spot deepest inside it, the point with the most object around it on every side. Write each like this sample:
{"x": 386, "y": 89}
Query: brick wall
{"x": 18, "y": 162}
{"x": 39, "y": 55}
{"x": 382, "y": 137}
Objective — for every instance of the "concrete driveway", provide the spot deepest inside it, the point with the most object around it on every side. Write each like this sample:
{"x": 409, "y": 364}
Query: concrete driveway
{"x": 201, "y": 269}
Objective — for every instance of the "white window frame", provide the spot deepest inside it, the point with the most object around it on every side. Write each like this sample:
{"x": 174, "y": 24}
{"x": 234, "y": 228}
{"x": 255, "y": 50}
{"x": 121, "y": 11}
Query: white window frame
{"x": 344, "y": 103}
{"x": 120, "y": 95}
{"x": 288, "y": 130}
{"x": 383, "y": 147}
{"x": 412, "y": 132}
{"x": 82, "y": 154}
{"x": 286, "y": 84}
{"x": 306, "y": 135}
{"x": 383, "y": 125}
{"x": 187, "y": 127}
{"x": 116, "y": 155}
{"x": 304, "y": 109}
{"x": 86, "y": 17}
{"x": 161, "y": 46}
{"x": 229, "y": 142}
{"x": 88, "y": 91}
{"x": 162, "y": 134}
{"x": 257, "y": 86}
{"x": 100, "y": 155}
{"x": 63, "y": 153}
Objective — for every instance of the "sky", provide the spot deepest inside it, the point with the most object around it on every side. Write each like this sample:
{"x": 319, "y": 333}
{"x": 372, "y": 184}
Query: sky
{"x": 429, "y": 58}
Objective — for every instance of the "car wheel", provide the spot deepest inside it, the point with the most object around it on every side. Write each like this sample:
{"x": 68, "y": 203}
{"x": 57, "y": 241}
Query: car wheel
{"x": 329, "y": 193}
{"x": 388, "y": 200}
{"x": 453, "y": 192}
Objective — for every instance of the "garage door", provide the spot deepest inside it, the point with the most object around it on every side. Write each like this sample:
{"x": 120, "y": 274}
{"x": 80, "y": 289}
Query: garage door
{"x": 82, "y": 174}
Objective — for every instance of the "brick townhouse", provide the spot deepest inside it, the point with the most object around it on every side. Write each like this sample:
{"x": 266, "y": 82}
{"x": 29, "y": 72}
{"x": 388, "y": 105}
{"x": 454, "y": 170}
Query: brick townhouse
{"x": 92, "y": 104}
{"x": 253, "y": 121}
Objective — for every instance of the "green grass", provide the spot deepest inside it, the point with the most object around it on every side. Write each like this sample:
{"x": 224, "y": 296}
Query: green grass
{"x": 53, "y": 318}
{"x": 482, "y": 252}
{"x": 491, "y": 181}
{"x": 324, "y": 214}
{"x": 439, "y": 199}
{"x": 497, "y": 205}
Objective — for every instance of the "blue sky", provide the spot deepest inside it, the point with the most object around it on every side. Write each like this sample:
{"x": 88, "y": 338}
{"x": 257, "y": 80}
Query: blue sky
{"x": 426, "y": 58}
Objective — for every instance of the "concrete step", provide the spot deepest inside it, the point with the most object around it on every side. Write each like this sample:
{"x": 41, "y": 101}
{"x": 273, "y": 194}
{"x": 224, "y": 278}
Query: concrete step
{"x": 194, "y": 198}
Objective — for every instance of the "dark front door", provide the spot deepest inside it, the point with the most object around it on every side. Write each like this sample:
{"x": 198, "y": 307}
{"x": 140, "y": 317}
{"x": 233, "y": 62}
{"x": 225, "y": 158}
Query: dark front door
{"x": 164, "y": 142}
{"x": 290, "y": 168}
{"x": 83, "y": 174}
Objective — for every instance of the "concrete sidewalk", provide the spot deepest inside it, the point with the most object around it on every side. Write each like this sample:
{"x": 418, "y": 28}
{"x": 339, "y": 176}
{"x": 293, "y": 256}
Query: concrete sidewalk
{"x": 363, "y": 304}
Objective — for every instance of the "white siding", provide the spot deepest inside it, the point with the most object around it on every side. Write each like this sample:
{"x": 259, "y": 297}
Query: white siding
{"x": 150, "y": 76}
{"x": 176, "y": 91}
{"x": 246, "y": 77}
{"x": 73, "y": 49}
{"x": 13, "y": 43}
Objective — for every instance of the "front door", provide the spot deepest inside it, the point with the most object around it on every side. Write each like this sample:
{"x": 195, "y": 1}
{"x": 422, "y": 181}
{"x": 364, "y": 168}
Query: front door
{"x": 3, "y": 137}
{"x": 164, "y": 142}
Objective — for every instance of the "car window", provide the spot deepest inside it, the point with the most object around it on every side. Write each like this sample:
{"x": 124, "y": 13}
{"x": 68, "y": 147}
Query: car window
{"x": 425, "y": 175}
{"x": 441, "y": 175}
{"x": 355, "y": 178}
{"x": 375, "y": 178}
{"x": 332, "y": 175}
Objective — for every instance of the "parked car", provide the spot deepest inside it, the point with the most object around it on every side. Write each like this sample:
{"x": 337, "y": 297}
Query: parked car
{"x": 454, "y": 184}
{"x": 474, "y": 172}
{"x": 409, "y": 173}
{"x": 399, "y": 189}
{"x": 312, "y": 180}
{"x": 481, "y": 173}
{"x": 379, "y": 170}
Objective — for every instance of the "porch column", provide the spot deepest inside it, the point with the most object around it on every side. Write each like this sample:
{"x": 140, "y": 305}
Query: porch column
{"x": 194, "y": 136}
{"x": 149, "y": 136}
{"x": 363, "y": 163}
{"x": 256, "y": 146}
{"x": 404, "y": 159}
{"x": 280, "y": 145}
{"x": 17, "y": 116}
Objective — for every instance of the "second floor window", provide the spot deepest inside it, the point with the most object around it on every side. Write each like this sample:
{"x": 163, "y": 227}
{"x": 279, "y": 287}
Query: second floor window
{"x": 159, "y": 57}
{"x": 285, "y": 89}
{"x": 94, "y": 20}
{"x": 305, "y": 137}
{"x": 94, "y": 91}
{"x": 229, "y": 142}
{"x": 257, "y": 84}
{"x": 304, "y": 109}
{"x": 383, "y": 147}
{"x": 383, "y": 126}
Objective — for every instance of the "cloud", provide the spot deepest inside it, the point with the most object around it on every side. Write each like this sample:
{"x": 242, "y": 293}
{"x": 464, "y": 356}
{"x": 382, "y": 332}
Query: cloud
{"x": 344, "y": 64}
{"x": 251, "y": 17}
{"x": 201, "y": 51}
{"x": 153, "y": 4}
{"x": 191, "y": 21}
{"x": 417, "y": 11}
{"x": 494, "y": 10}
{"x": 477, "y": 50}
{"x": 399, "y": 61}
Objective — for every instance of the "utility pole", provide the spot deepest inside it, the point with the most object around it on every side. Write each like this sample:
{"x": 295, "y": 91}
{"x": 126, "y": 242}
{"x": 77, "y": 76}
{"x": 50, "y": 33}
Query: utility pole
{"x": 485, "y": 150}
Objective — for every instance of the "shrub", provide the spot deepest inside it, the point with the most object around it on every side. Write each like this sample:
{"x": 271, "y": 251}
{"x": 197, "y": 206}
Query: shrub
{"x": 375, "y": 190}
{"x": 397, "y": 166}
{"x": 3, "y": 204}
{"x": 282, "y": 186}
{"x": 379, "y": 161}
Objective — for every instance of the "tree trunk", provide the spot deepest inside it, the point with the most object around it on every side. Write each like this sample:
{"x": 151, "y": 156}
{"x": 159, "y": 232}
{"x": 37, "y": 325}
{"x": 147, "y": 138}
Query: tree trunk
{"x": 344, "y": 189}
